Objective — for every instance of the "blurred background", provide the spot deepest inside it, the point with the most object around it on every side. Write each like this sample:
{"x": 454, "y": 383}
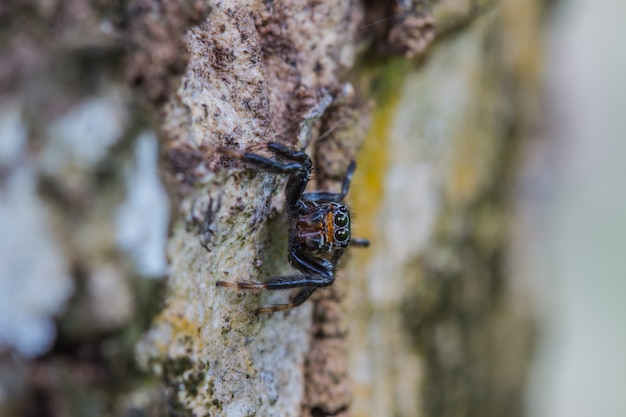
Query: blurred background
{"x": 578, "y": 251}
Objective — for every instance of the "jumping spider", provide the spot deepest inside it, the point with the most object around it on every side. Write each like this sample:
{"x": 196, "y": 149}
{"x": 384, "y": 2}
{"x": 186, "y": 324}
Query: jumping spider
{"x": 319, "y": 230}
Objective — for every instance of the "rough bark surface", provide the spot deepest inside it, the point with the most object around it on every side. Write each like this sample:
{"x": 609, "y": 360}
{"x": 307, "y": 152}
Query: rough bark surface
{"x": 257, "y": 73}
{"x": 422, "y": 323}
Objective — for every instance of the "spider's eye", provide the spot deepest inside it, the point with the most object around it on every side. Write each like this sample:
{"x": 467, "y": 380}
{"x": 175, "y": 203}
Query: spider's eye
{"x": 341, "y": 219}
{"x": 342, "y": 235}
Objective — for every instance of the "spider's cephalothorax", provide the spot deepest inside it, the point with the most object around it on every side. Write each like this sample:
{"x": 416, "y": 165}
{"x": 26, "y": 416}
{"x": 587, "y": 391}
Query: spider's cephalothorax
{"x": 322, "y": 227}
{"x": 319, "y": 226}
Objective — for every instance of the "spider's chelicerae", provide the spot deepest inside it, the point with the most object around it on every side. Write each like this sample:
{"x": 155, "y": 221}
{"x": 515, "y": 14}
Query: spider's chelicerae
{"x": 319, "y": 230}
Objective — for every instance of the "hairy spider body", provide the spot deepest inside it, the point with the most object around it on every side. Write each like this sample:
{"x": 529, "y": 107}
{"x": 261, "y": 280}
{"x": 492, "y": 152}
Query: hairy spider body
{"x": 319, "y": 226}
{"x": 322, "y": 228}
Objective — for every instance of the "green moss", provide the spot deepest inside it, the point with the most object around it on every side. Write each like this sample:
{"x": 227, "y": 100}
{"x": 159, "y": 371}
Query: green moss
{"x": 183, "y": 371}
{"x": 192, "y": 381}
{"x": 174, "y": 368}
{"x": 382, "y": 78}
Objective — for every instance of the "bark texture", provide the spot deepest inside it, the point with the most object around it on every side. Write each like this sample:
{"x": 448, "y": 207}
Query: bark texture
{"x": 431, "y": 98}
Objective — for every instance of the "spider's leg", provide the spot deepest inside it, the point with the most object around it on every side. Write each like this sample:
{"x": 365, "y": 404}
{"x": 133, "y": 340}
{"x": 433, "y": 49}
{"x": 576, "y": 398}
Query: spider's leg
{"x": 298, "y": 160}
{"x": 271, "y": 164}
{"x": 283, "y": 282}
{"x": 335, "y": 197}
{"x": 336, "y": 257}
{"x": 322, "y": 196}
{"x": 316, "y": 273}
{"x": 299, "y": 168}
{"x": 347, "y": 179}
{"x": 300, "y": 297}
{"x": 285, "y": 152}
{"x": 314, "y": 266}
{"x": 298, "y": 180}
{"x": 361, "y": 243}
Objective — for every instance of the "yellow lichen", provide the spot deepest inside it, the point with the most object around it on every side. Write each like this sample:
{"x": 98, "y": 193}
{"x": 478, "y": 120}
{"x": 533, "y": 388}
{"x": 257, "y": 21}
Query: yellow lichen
{"x": 373, "y": 159}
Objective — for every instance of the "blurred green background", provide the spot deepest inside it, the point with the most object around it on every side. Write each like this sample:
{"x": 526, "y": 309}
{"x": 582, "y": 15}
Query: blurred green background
{"x": 580, "y": 255}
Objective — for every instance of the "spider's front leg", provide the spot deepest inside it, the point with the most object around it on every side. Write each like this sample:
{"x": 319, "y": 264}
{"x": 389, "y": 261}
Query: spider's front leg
{"x": 298, "y": 161}
{"x": 317, "y": 273}
{"x": 299, "y": 167}
{"x": 335, "y": 197}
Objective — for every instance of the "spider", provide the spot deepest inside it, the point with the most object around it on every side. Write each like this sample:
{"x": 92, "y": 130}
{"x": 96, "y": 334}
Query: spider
{"x": 319, "y": 230}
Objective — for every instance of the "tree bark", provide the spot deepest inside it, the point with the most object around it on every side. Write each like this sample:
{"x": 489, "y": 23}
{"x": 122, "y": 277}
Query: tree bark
{"x": 432, "y": 99}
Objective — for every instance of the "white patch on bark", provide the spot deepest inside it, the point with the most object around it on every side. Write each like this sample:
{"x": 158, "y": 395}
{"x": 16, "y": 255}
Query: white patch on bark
{"x": 142, "y": 219}
{"x": 12, "y": 133}
{"x": 84, "y": 135}
{"x": 34, "y": 278}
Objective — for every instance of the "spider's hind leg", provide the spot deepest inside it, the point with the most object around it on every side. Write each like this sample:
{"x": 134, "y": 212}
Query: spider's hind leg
{"x": 300, "y": 297}
{"x": 284, "y": 282}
